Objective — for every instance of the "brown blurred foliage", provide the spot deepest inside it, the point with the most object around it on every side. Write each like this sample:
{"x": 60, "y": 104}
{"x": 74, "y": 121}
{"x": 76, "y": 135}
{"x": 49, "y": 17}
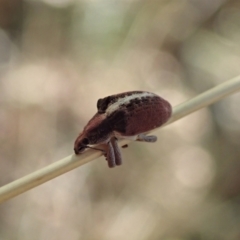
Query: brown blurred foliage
{"x": 58, "y": 57}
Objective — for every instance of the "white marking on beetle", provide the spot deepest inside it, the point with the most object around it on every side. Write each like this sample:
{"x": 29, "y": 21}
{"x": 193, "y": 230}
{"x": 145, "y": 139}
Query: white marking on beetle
{"x": 125, "y": 100}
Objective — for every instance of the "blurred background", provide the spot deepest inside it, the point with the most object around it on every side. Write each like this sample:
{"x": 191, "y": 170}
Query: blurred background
{"x": 58, "y": 57}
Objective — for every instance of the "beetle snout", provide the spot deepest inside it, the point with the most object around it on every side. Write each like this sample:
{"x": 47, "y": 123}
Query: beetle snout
{"x": 80, "y": 144}
{"x": 79, "y": 148}
{"x": 76, "y": 151}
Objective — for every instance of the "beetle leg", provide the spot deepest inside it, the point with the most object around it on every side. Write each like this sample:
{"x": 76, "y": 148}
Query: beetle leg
{"x": 110, "y": 155}
{"x": 117, "y": 151}
{"x": 146, "y": 138}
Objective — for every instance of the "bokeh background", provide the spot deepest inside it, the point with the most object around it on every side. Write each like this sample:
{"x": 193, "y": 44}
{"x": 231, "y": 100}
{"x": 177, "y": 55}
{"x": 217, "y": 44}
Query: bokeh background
{"x": 58, "y": 57}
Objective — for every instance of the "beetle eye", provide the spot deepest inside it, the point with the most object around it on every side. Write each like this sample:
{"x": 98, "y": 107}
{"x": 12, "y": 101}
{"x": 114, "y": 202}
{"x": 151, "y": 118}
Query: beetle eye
{"x": 85, "y": 141}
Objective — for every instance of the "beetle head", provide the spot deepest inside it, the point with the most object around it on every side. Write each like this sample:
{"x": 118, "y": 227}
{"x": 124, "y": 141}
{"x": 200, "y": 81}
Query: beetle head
{"x": 96, "y": 131}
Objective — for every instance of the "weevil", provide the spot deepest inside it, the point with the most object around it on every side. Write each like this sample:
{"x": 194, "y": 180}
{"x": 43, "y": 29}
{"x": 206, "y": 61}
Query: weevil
{"x": 127, "y": 115}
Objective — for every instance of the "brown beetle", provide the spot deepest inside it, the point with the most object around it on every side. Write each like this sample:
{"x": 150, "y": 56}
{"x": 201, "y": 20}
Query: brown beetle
{"x": 128, "y": 115}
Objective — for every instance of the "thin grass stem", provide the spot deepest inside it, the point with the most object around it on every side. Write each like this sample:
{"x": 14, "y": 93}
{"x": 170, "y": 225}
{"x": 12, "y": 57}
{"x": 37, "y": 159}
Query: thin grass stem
{"x": 70, "y": 162}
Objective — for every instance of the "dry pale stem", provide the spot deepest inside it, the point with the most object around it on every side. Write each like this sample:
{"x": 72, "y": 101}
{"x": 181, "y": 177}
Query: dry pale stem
{"x": 70, "y": 162}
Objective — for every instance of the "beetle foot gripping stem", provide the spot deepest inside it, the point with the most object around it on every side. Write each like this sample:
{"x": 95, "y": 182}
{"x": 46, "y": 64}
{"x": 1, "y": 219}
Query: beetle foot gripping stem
{"x": 146, "y": 138}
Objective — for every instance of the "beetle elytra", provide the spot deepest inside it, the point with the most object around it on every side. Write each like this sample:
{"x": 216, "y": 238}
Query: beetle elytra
{"x": 128, "y": 115}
